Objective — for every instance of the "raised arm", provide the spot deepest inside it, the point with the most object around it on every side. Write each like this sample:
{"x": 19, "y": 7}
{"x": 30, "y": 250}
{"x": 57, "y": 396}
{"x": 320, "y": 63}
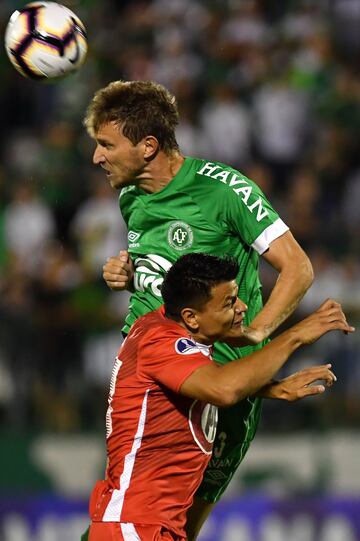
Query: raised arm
{"x": 226, "y": 385}
{"x": 295, "y": 277}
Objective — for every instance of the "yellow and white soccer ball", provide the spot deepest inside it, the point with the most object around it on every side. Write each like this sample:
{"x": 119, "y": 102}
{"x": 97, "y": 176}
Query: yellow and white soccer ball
{"x": 45, "y": 40}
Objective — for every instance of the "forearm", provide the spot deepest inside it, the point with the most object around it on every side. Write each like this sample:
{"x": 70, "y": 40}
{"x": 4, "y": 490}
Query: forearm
{"x": 290, "y": 287}
{"x": 246, "y": 376}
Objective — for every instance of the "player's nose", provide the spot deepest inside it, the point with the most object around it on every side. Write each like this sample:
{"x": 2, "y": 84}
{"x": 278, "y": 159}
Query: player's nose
{"x": 240, "y": 306}
{"x": 98, "y": 156}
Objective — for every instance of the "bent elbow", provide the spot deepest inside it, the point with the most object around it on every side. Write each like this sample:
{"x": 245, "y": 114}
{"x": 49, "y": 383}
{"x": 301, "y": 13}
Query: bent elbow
{"x": 308, "y": 273}
{"x": 225, "y": 397}
{"x": 302, "y": 271}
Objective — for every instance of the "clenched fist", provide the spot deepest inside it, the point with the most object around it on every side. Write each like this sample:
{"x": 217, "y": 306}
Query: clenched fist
{"x": 118, "y": 272}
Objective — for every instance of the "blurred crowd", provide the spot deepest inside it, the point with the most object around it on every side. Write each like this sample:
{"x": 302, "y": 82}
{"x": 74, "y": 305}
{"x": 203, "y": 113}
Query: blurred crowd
{"x": 270, "y": 87}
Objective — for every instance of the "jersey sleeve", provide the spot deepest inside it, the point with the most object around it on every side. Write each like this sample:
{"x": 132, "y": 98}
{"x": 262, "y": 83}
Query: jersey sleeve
{"x": 240, "y": 204}
{"x": 168, "y": 359}
{"x": 249, "y": 214}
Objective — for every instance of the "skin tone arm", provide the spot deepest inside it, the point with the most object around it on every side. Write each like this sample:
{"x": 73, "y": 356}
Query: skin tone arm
{"x": 295, "y": 277}
{"x": 228, "y": 384}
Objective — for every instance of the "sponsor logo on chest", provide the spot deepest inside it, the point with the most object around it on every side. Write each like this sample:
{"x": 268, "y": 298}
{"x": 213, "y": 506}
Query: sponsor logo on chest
{"x": 149, "y": 273}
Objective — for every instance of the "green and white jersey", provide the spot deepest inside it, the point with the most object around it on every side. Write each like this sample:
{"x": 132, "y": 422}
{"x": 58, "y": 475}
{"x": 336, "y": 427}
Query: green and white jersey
{"x": 207, "y": 207}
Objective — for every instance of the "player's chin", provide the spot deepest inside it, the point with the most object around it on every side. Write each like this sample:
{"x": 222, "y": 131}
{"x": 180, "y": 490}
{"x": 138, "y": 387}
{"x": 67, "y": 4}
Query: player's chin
{"x": 118, "y": 182}
{"x": 115, "y": 182}
{"x": 237, "y": 325}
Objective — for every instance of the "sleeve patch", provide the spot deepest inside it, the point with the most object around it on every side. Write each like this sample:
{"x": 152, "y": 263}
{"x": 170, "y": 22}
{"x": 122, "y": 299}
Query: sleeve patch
{"x": 185, "y": 346}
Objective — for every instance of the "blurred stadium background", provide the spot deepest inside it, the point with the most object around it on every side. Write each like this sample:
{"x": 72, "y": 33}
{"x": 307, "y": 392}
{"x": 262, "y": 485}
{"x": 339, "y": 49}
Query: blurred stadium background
{"x": 271, "y": 87}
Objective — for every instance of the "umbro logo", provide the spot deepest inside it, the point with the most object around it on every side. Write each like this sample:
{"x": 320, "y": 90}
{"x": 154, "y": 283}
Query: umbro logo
{"x": 132, "y": 236}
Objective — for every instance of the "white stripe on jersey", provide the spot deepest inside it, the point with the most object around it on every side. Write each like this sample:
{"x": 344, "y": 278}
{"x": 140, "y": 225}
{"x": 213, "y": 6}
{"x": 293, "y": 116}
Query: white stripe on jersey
{"x": 129, "y": 532}
{"x": 114, "y": 374}
{"x": 115, "y": 505}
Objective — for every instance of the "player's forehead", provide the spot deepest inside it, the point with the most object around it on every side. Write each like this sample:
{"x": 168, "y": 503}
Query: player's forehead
{"x": 224, "y": 291}
{"x": 109, "y": 131}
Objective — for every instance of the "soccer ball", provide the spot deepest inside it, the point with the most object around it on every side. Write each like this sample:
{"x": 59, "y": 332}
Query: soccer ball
{"x": 45, "y": 40}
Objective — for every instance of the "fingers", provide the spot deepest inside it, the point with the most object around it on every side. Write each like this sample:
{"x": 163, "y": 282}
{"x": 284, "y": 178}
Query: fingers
{"x": 115, "y": 266}
{"x": 328, "y": 303}
{"x": 118, "y": 264}
{"x": 341, "y": 326}
{"x": 332, "y": 315}
{"x": 118, "y": 270}
{"x": 124, "y": 256}
{"x": 315, "y": 373}
{"x": 331, "y": 310}
{"x": 311, "y": 391}
{"x": 306, "y": 382}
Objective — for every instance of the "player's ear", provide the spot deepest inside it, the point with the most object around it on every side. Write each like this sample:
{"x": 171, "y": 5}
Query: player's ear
{"x": 151, "y": 147}
{"x": 189, "y": 317}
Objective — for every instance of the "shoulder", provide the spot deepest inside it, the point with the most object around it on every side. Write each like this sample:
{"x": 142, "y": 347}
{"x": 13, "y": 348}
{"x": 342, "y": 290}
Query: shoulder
{"x": 158, "y": 330}
{"x": 223, "y": 176}
{"x": 217, "y": 182}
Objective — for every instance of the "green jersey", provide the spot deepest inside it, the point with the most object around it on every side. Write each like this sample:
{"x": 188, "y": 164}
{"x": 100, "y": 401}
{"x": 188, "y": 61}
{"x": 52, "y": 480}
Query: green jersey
{"x": 207, "y": 207}
{"x": 212, "y": 208}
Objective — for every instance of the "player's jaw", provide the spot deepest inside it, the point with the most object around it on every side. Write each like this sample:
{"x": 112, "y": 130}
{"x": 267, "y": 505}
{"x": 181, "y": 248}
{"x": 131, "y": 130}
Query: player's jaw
{"x": 119, "y": 177}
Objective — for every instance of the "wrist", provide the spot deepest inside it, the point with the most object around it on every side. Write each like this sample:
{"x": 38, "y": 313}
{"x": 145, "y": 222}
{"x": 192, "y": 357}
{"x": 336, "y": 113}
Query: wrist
{"x": 295, "y": 337}
{"x": 272, "y": 390}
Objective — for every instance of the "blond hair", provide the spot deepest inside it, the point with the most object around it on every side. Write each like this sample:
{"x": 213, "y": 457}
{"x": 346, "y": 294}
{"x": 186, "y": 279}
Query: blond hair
{"x": 141, "y": 108}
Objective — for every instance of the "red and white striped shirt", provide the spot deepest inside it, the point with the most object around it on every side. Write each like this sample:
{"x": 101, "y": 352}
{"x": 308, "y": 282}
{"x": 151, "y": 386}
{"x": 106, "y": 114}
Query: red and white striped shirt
{"x": 158, "y": 441}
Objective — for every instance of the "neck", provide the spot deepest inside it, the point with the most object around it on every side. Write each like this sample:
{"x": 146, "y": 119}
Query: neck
{"x": 201, "y": 339}
{"x": 197, "y": 336}
{"x": 158, "y": 172}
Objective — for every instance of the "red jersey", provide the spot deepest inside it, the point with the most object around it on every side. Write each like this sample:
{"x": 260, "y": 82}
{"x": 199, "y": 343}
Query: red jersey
{"x": 158, "y": 441}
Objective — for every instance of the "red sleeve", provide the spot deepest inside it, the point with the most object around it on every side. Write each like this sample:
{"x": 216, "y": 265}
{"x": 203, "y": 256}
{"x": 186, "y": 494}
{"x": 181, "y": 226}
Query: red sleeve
{"x": 168, "y": 358}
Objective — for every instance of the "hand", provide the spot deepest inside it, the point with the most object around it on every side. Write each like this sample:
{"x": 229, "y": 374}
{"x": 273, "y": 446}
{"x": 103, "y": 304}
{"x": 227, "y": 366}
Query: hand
{"x": 118, "y": 271}
{"x": 299, "y": 385}
{"x": 326, "y": 318}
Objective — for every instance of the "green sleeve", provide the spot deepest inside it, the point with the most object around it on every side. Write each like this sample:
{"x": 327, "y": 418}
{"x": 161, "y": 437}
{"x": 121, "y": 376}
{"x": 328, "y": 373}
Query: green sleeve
{"x": 242, "y": 206}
